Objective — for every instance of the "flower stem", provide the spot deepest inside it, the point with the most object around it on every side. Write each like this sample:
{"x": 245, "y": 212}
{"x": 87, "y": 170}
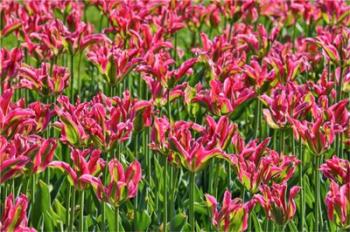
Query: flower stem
{"x": 192, "y": 186}
{"x": 103, "y": 226}
{"x": 318, "y": 216}
{"x": 72, "y": 77}
{"x": 302, "y": 201}
{"x": 79, "y": 70}
{"x": 74, "y": 193}
{"x": 81, "y": 217}
{"x": 116, "y": 218}
{"x": 68, "y": 203}
{"x": 258, "y": 121}
{"x": 282, "y": 141}
{"x": 165, "y": 194}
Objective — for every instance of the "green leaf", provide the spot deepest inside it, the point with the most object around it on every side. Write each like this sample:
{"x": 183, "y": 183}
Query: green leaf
{"x": 111, "y": 219}
{"x": 178, "y": 222}
{"x": 60, "y": 211}
{"x": 309, "y": 196}
{"x": 58, "y": 185}
{"x": 42, "y": 203}
{"x": 292, "y": 226}
{"x": 240, "y": 109}
{"x": 142, "y": 221}
{"x": 257, "y": 225}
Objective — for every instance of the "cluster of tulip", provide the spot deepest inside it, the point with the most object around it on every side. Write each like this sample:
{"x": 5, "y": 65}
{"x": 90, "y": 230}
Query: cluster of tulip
{"x": 138, "y": 115}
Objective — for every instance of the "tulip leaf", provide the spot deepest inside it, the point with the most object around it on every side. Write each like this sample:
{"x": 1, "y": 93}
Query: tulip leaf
{"x": 142, "y": 221}
{"x": 292, "y": 226}
{"x": 110, "y": 213}
{"x": 58, "y": 185}
{"x": 42, "y": 203}
{"x": 257, "y": 226}
{"x": 178, "y": 222}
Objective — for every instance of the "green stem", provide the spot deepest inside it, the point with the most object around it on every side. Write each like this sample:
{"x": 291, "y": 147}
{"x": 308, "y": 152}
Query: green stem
{"x": 71, "y": 223}
{"x": 267, "y": 225}
{"x": 116, "y": 218}
{"x": 192, "y": 186}
{"x": 282, "y": 141}
{"x": 318, "y": 216}
{"x": 258, "y": 121}
{"x": 79, "y": 70}
{"x": 171, "y": 169}
{"x": 165, "y": 193}
{"x": 81, "y": 217}
{"x": 68, "y": 204}
{"x": 302, "y": 201}
{"x": 103, "y": 226}
{"x": 72, "y": 77}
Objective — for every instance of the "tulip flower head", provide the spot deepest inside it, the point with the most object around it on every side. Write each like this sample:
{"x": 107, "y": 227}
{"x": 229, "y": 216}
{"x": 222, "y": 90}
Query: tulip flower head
{"x": 14, "y": 218}
{"x": 85, "y": 162}
{"x": 122, "y": 184}
{"x": 279, "y": 207}
{"x": 233, "y": 215}
{"x": 337, "y": 170}
{"x": 189, "y": 151}
{"x": 338, "y": 204}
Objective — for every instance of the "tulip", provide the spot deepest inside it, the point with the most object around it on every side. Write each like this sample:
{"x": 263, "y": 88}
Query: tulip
{"x": 15, "y": 118}
{"x": 337, "y": 170}
{"x": 14, "y": 217}
{"x": 122, "y": 184}
{"x": 191, "y": 153}
{"x": 42, "y": 81}
{"x": 318, "y": 135}
{"x": 86, "y": 161}
{"x": 23, "y": 154}
{"x": 338, "y": 204}
{"x": 233, "y": 215}
{"x": 114, "y": 63}
{"x": 220, "y": 133}
{"x": 284, "y": 101}
{"x": 256, "y": 165}
{"x": 274, "y": 202}
{"x": 260, "y": 76}
{"x": 159, "y": 135}
{"x": 103, "y": 121}
{"x": 224, "y": 98}
{"x": 10, "y": 62}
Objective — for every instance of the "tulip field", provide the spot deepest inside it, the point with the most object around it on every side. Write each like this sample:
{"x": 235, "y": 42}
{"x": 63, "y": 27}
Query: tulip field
{"x": 175, "y": 115}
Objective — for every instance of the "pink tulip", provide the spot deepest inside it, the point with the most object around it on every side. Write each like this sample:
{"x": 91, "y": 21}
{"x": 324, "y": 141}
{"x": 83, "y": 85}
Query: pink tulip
{"x": 113, "y": 62}
{"x": 318, "y": 135}
{"x": 224, "y": 98}
{"x": 255, "y": 165}
{"x": 220, "y": 133}
{"x": 279, "y": 207}
{"x": 284, "y": 101}
{"x": 338, "y": 203}
{"x": 10, "y": 62}
{"x": 85, "y": 162}
{"x": 41, "y": 81}
{"x": 340, "y": 114}
{"x": 10, "y": 165}
{"x": 190, "y": 152}
{"x": 159, "y": 135}
{"x": 233, "y": 215}
{"x": 122, "y": 184}
{"x": 14, "y": 218}
{"x": 22, "y": 154}
{"x": 15, "y": 118}
{"x": 337, "y": 170}
{"x": 260, "y": 77}
{"x": 103, "y": 121}
{"x": 47, "y": 41}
